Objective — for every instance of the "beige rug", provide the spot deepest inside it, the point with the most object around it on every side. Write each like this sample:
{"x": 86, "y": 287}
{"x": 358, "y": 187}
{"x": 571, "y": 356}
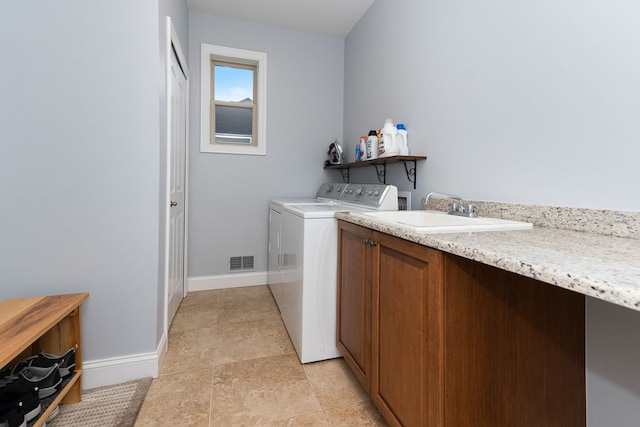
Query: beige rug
{"x": 111, "y": 406}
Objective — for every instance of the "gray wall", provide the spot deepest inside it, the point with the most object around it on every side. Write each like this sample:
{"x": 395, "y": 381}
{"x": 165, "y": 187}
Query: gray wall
{"x": 613, "y": 381}
{"x": 520, "y": 102}
{"x": 229, "y": 194}
{"x": 79, "y": 119}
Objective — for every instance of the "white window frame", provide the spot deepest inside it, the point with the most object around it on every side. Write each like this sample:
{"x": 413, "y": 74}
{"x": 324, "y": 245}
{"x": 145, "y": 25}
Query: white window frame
{"x": 232, "y": 55}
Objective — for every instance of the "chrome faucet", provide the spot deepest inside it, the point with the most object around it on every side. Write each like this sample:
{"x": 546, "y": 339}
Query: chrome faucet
{"x": 457, "y": 208}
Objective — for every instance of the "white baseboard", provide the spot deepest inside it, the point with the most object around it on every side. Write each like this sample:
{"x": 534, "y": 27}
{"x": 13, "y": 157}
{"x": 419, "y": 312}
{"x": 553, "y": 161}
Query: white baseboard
{"x": 98, "y": 373}
{"x": 223, "y": 281}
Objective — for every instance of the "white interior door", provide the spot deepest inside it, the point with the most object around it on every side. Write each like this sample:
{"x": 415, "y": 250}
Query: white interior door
{"x": 177, "y": 159}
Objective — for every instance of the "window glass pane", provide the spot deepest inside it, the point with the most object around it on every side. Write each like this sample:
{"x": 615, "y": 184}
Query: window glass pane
{"x": 234, "y": 124}
{"x": 233, "y": 84}
{"x": 235, "y": 90}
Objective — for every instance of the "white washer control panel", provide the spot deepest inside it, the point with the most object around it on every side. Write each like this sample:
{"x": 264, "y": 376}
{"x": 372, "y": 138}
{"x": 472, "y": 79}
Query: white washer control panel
{"x": 377, "y": 196}
{"x": 331, "y": 190}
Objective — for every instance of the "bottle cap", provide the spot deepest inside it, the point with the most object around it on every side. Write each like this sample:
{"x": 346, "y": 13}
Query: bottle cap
{"x": 373, "y": 132}
{"x": 400, "y": 126}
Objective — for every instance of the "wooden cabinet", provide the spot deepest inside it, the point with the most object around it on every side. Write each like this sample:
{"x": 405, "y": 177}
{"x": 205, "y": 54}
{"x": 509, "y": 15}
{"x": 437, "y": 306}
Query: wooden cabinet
{"x": 390, "y": 322}
{"x": 354, "y": 299}
{"x": 51, "y": 324}
{"x": 407, "y": 332}
{"x": 439, "y": 340}
{"x": 515, "y": 349}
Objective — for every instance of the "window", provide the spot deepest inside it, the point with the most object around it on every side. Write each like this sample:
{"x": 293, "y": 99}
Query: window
{"x": 233, "y": 111}
{"x": 233, "y": 100}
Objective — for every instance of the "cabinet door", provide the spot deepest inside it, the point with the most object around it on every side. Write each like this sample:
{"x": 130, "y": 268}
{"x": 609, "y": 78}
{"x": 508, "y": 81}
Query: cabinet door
{"x": 407, "y": 376}
{"x": 354, "y": 300}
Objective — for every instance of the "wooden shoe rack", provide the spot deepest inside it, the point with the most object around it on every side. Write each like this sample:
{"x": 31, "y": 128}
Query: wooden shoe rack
{"x": 50, "y": 324}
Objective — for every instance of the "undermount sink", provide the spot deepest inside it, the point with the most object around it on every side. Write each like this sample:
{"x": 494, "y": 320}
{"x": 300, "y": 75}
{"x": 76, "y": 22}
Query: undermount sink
{"x": 426, "y": 222}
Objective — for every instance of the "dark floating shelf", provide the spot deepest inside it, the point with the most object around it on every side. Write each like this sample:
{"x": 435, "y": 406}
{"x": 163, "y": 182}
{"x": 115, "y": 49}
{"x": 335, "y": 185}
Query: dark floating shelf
{"x": 381, "y": 167}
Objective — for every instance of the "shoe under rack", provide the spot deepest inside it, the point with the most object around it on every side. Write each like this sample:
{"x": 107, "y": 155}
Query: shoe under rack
{"x": 49, "y": 404}
{"x": 49, "y": 324}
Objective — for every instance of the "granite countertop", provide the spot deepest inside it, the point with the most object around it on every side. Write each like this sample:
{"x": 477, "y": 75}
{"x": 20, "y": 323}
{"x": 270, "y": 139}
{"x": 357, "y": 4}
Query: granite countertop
{"x": 601, "y": 266}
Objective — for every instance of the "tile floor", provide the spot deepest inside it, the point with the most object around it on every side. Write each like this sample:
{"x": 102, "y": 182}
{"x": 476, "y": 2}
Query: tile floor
{"x": 230, "y": 363}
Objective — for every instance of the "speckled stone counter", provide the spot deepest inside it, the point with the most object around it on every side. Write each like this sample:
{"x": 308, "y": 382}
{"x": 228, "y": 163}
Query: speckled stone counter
{"x": 602, "y": 266}
{"x": 598, "y": 221}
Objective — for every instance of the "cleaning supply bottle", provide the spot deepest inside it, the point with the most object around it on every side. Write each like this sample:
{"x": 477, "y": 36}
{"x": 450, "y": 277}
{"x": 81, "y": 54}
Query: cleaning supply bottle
{"x": 389, "y": 135}
{"x": 363, "y": 148}
{"x": 372, "y": 145}
{"x": 358, "y": 156}
{"x": 403, "y": 143}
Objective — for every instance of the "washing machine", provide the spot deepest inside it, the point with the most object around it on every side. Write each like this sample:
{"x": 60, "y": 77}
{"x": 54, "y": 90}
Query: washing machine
{"x": 327, "y": 194}
{"x": 303, "y": 257}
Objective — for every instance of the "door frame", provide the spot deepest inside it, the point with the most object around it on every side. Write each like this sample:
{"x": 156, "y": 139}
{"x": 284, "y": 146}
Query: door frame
{"x": 173, "y": 44}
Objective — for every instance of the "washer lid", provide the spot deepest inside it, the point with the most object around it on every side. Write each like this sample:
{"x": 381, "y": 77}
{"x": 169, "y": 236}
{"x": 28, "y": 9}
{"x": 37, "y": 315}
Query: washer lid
{"x": 293, "y": 201}
{"x": 324, "y": 210}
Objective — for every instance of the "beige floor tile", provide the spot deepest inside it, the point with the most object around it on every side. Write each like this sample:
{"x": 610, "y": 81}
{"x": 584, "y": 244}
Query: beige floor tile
{"x": 208, "y": 298}
{"x": 180, "y": 399}
{"x": 246, "y": 292}
{"x": 260, "y": 391}
{"x": 183, "y": 337}
{"x": 230, "y": 363}
{"x": 313, "y": 419}
{"x": 334, "y": 384}
{"x": 189, "y": 349}
{"x": 251, "y": 340}
{"x": 194, "y": 316}
{"x": 355, "y": 414}
{"x": 247, "y": 309}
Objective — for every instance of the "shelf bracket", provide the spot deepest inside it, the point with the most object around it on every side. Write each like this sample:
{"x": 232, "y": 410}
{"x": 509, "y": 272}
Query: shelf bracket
{"x": 345, "y": 175}
{"x": 411, "y": 172}
{"x": 382, "y": 173}
{"x": 381, "y": 167}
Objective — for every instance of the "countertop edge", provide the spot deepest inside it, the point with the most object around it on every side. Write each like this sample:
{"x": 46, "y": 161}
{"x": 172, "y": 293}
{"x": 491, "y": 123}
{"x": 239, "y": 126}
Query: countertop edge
{"x": 614, "y": 277}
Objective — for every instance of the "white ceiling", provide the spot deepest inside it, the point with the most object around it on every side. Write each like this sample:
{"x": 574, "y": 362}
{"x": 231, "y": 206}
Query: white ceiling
{"x": 328, "y": 17}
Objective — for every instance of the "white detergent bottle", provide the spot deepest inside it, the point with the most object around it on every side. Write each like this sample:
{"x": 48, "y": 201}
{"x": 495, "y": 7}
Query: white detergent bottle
{"x": 372, "y": 145}
{"x": 403, "y": 143}
{"x": 389, "y": 134}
